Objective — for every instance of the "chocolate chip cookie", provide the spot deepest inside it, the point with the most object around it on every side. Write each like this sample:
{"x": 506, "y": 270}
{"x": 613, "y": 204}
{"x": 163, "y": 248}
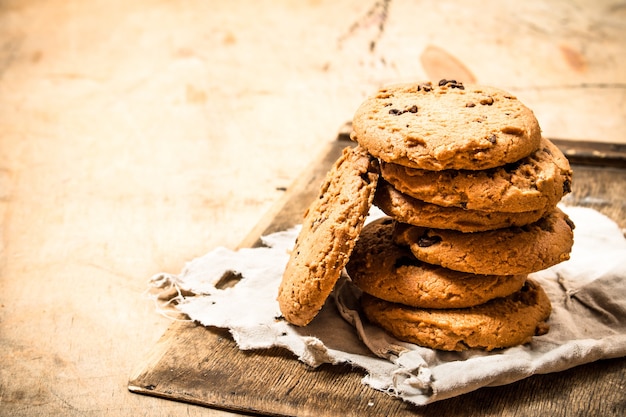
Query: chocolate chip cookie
{"x": 330, "y": 228}
{"x": 536, "y": 182}
{"x": 499, "y": 323}
{"x": 508, "y": 251}
{"x": 390, "y": 272}
{"x": 446, "y": 126}
{"x": 420, "y": 213}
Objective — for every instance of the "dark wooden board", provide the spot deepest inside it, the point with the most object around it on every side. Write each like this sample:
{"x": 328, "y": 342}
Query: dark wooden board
{"x": 201, "y": 365}
{"x": 593, "y": 153}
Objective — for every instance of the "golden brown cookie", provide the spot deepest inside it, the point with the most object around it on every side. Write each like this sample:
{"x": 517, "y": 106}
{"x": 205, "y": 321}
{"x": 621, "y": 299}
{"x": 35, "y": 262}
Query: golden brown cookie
{"x": 446, "y": 126}
{"x": 380, "y": 267}
{"x": 330, "y": 227}
{"x": 499, "y": 323}
{"x": 410, "y": 210}
{"x": 536, "y": 182}
{"x": 513, "y": 250}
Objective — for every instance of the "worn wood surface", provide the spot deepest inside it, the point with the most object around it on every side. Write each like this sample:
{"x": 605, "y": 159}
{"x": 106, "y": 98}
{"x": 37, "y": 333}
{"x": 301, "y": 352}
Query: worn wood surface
{"x": 137, "y": 135}
{"x": 204, "y": 366}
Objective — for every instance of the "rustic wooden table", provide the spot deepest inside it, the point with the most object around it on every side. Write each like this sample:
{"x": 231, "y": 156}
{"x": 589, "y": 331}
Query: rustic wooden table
{"x": 135, "y": 136}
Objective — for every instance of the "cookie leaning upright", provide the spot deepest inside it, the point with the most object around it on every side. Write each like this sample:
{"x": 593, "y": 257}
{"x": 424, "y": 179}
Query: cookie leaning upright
{"x": 411, "y": 125}
{"x": 330, "y": 228}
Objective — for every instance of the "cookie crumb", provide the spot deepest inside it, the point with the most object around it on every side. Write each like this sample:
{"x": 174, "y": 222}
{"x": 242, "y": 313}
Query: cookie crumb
{"x": 426, "y": 241}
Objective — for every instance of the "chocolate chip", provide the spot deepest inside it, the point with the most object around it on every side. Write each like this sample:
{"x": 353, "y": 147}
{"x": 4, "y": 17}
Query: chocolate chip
{"x": 425, "y": 87}
{"x": 492, "y": 139}
{"x": 570, "y": 223}
{"x": 396, "y": 112}
{"x": 567, "y": 187}
{"x": 451, "y": 84}
{"x": 488, "y": 101}
{"x": 425, "y": 240}
{"x": 470, "y": 104}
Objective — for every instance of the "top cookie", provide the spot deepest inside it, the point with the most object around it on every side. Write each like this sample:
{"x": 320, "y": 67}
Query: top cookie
{"x": 330, "y": 228}
{"x": 447, "y": 126}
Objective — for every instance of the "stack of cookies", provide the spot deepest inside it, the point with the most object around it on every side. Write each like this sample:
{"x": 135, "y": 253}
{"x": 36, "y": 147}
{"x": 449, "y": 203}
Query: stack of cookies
{"x": 470, "y": 189}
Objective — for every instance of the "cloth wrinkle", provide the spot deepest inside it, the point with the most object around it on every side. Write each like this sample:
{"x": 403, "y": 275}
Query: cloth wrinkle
{"x": 569, "y": 292}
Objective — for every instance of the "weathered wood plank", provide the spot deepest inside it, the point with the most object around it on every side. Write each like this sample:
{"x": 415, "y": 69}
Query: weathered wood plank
{"x": 203, "y": 366}
{"x": 593, "y": 153}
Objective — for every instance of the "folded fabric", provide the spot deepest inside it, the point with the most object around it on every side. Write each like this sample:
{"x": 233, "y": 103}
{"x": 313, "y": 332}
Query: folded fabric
{"x": 588, "y": 322}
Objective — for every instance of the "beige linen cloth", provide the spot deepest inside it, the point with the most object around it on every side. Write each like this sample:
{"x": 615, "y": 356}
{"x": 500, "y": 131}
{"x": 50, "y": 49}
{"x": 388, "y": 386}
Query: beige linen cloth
{"x": 588, "y": 322}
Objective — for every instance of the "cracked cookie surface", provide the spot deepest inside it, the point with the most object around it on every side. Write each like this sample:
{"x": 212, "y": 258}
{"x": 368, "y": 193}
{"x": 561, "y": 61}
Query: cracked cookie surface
{"x": 446, "y": 126}
{"x": 391, "y": 272}
{"x": 330, "y": 228}
{"x": 536, "y": 182}
{"x": 508, "y": 251}
{"x": 410, "y": 210}
{"x": 499, "y": 323}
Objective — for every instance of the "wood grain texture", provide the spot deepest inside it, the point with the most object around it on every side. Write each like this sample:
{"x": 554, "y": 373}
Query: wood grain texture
{"x": 600, "y": 188}
{"x": 600, "y": 154}
{"x": 204, "y": 366}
